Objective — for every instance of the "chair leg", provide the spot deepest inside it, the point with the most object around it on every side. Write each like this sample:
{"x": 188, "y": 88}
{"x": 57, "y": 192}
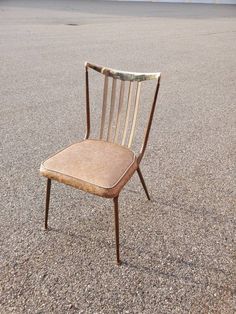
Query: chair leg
{"x": 47, "y": 202}
{"x": 143, "y": 183}
{"x": 116, "y": 208}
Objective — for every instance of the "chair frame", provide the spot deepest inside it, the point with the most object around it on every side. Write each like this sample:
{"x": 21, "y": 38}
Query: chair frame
{"x": 123, "y": 76}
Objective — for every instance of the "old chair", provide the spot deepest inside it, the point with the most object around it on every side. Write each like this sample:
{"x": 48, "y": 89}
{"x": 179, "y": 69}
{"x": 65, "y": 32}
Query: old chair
{"x": 103, "y": 166}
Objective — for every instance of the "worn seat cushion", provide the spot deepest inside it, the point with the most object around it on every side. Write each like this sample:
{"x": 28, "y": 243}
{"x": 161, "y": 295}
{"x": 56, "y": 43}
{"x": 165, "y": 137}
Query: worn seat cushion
{"x": 94, "y": 166}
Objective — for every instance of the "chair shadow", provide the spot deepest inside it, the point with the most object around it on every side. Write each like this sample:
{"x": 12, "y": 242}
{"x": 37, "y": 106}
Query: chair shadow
{"x": 149, "y": 269}
{"x": 124, "y": 263}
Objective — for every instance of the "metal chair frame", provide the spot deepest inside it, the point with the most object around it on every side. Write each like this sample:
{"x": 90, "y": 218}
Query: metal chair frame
{"x": 132, "y": 78}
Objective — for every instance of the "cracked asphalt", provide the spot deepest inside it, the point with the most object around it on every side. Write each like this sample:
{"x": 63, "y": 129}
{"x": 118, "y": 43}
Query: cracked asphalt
{"x": 178, "y": 250}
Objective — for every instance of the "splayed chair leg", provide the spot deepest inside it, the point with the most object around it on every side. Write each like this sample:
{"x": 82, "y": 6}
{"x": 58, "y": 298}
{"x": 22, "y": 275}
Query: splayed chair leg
{"x": 47, "y": 202}
{"x": 143, "y": 183}
{"x": 116, "y": 209}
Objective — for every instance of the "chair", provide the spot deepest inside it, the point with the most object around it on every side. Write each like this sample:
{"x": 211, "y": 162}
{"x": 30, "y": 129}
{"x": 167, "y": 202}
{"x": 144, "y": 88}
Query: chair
{"x": 103, "y": 166}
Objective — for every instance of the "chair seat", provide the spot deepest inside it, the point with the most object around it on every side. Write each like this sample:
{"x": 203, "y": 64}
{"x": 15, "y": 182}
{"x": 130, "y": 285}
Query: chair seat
{"x": 94, "y": 166}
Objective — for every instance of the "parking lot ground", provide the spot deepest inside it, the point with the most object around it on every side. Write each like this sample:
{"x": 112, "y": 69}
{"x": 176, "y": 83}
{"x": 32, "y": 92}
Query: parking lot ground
{"x": 178, "y": 250}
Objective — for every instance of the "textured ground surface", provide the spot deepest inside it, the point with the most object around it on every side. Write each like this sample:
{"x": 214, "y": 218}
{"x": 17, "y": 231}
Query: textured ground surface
{"x": 178, "y": 250}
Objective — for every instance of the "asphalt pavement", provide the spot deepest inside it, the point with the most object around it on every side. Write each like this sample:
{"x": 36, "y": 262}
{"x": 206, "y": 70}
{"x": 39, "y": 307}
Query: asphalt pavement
{"x": 178, "y": 249}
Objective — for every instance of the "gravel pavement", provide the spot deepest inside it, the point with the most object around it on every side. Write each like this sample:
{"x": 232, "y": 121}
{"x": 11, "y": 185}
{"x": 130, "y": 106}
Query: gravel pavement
{"x": 178, "y": 250}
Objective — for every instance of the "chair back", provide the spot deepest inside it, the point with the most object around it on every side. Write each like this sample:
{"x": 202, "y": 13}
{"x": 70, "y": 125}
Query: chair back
{"x": 115, "y": 127}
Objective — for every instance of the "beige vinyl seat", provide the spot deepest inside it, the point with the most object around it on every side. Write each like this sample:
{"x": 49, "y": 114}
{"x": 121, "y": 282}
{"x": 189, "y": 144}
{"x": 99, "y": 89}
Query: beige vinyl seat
{"x": 94, "y": 166}
{"x": 103, "y": 165}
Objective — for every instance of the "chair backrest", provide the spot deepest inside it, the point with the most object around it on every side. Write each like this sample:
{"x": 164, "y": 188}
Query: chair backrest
{"x": 131, "y": 82}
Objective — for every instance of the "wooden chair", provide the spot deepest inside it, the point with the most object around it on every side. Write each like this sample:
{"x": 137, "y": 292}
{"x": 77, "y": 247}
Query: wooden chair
{"x": 103, "y": 166}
